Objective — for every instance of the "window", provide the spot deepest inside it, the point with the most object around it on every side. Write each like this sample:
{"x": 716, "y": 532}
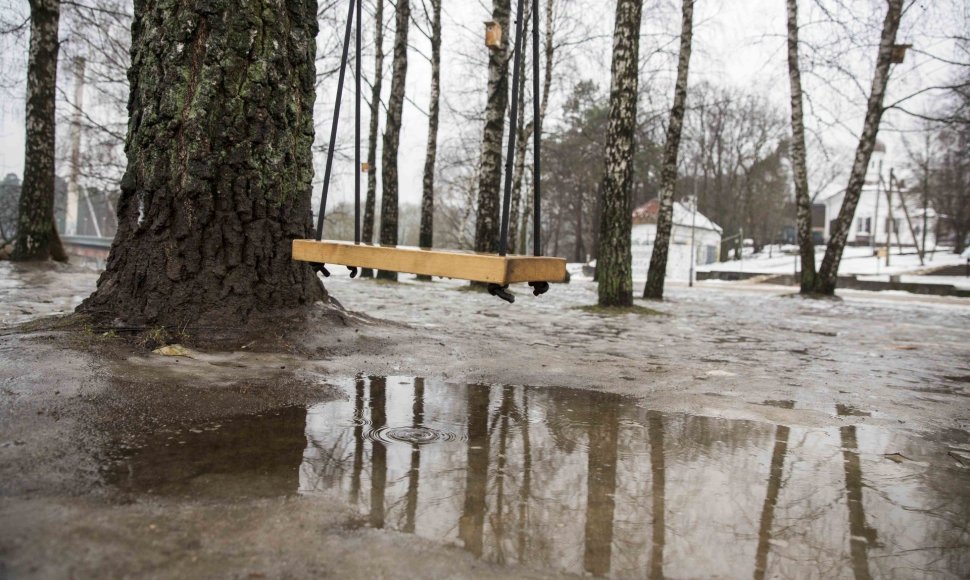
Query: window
{"x": 863, "y": 225}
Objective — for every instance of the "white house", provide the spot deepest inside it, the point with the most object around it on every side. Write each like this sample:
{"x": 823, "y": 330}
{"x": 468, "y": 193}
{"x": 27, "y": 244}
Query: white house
{"x": 874, "y": 217}
{"x": 687, "y": 224}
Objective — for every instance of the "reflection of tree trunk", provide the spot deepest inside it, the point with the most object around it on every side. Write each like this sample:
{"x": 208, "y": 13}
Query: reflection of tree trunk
{"x": 378, "y": 477}
{"x": 860, "y": 535}
{"x": 505, "y": 410}
{"x": 771, "y": 499}
{"x": 417, "y": 414}
{"x": 358, "y": 441}
{"x": 659, "y": 480}
{"x": 526, "y": 491}
{"x": 600, "y": 487}
{"x": 472, "y": 522}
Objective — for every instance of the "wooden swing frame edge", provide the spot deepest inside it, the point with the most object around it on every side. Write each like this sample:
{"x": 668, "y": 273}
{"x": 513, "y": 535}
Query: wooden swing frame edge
{"x": 462, "y": 265}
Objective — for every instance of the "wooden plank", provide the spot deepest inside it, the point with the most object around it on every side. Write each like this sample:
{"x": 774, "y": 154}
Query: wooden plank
{"x": 444, "y": 263}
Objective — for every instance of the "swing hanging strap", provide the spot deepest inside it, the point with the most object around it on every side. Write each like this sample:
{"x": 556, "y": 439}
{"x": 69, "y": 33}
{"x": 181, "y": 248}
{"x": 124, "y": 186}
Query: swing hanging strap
{"x": 513, "y": 126}
{"x": 354, "y": 5}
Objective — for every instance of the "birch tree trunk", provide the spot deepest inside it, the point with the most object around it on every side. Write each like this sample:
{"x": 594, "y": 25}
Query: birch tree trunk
{"x": 37, "y": 238}
{"x": 799, "y": 157}
{"x": 522, "y": 133}
{"x": 490, "y": 176}
{"x": 827, "y": 277}
{"x": 613, "y": 265}
{"x": 219, "y": 169}
{"x": 392, "y": 131}
{"x": 657, "y": 273}
{"x": 370, "y": 202}
{"x": 426, "y": 235}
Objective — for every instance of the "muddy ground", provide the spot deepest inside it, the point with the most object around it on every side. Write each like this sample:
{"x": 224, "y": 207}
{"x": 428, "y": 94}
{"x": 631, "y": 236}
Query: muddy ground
{"x": 736, "y": 432}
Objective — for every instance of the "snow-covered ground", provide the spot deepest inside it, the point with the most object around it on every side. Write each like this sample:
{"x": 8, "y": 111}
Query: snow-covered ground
{"x": 855, "y": 261}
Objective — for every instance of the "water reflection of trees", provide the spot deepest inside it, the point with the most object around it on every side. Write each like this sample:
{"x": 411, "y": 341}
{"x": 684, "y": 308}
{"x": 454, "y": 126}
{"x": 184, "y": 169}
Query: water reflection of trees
{"x": 590, "y": 482}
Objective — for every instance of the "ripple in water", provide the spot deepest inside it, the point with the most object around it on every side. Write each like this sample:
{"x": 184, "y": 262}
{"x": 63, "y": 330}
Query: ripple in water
{"x": 416, "y": 435}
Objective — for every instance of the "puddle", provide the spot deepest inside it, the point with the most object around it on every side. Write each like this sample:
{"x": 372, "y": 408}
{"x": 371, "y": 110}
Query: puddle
{"x": 585, "y": 482}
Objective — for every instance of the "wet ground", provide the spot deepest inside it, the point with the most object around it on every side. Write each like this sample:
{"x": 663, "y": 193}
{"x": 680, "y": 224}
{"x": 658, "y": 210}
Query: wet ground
{"x": 740, "y": 433}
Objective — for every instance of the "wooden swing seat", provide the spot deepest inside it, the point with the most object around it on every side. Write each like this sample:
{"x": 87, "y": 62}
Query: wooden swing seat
{"x": 479, "y": 267}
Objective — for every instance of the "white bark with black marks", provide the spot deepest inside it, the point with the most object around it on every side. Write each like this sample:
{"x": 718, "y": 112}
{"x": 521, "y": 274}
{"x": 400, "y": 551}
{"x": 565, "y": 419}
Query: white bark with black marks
{"x": 614, "y": 269}
{"x": 827, "y": 277}
{"x": 657, "y": 273}
{"x": 37, "y": 238}
{"x": 370, "y": 201}
{"x": 392, "y": 131}
{"x": 799, "y": 157}
{"x": 490, "y": 176}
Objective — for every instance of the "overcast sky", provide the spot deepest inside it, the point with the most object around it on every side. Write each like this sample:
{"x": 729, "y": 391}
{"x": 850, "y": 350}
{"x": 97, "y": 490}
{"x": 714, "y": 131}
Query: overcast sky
{"x": 739, "y": 43}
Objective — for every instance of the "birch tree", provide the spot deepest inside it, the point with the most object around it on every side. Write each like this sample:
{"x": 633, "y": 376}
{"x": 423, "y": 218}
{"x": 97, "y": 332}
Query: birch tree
{"x": 370, "y": 201}
{"x": 392, "y": 131}
{"x": 37, "y": 238}
{"x": 490, "y": 176}
{"x": 426, "y": 236}
{"x": 654, "y": 287}
{"x": 613, "y": 262}
{"x": 799, "y": 157}
{"x": 827, "y": 277}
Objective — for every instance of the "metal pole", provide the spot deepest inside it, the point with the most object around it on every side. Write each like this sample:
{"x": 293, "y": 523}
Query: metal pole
{"x": 693, "y": 224}
{"x": 357, "y": 63}
{"x": 536, "y": 136}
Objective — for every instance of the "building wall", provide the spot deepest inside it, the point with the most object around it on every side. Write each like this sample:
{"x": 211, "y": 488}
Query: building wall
{"x": 706, "y": 248}
{"x": 871, "y": 223}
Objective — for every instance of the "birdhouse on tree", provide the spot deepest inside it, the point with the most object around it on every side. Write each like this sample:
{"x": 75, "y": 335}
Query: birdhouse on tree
{"x": 493, "y": 35}
{"x": 899, "y": 52}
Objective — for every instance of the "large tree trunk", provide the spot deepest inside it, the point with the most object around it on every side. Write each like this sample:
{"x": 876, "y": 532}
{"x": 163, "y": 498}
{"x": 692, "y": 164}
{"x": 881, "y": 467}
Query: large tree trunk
{"x": 219, "y": 166}
{"x": 828, "y": 274}
{"x": 490, "y": 176}
{"x": 370, "y": 202}
{"x": 613, "y": 264}
{"x": 426, "y": 236}
{"x": 657, "y": 273}
{"x": 392, "y": 131}
{"x": 799, "y": 157}
{"x": 37, "y": 238}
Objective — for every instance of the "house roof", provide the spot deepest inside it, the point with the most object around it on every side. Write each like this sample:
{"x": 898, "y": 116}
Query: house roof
{"x": 683, "y": 216}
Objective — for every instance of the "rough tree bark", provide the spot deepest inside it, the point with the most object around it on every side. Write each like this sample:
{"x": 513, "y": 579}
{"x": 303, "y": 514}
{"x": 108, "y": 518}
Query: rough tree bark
{"x": 490, "y": 176}
{"x": 827, "y": 277}
{"x": 37, "y": 238}
{"x": 219, "y": 169}
{"x": 370, "y": 201}
{"x": 613, "y": 263}
{"x": 799, "y": 157}
{"x": 426, "y": 235}
{"x": 657, "y": 273}
{"x": 392, "y": 131}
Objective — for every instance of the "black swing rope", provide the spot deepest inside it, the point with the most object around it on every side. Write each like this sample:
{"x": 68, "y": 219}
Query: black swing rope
{"x": 355, "y": 5}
